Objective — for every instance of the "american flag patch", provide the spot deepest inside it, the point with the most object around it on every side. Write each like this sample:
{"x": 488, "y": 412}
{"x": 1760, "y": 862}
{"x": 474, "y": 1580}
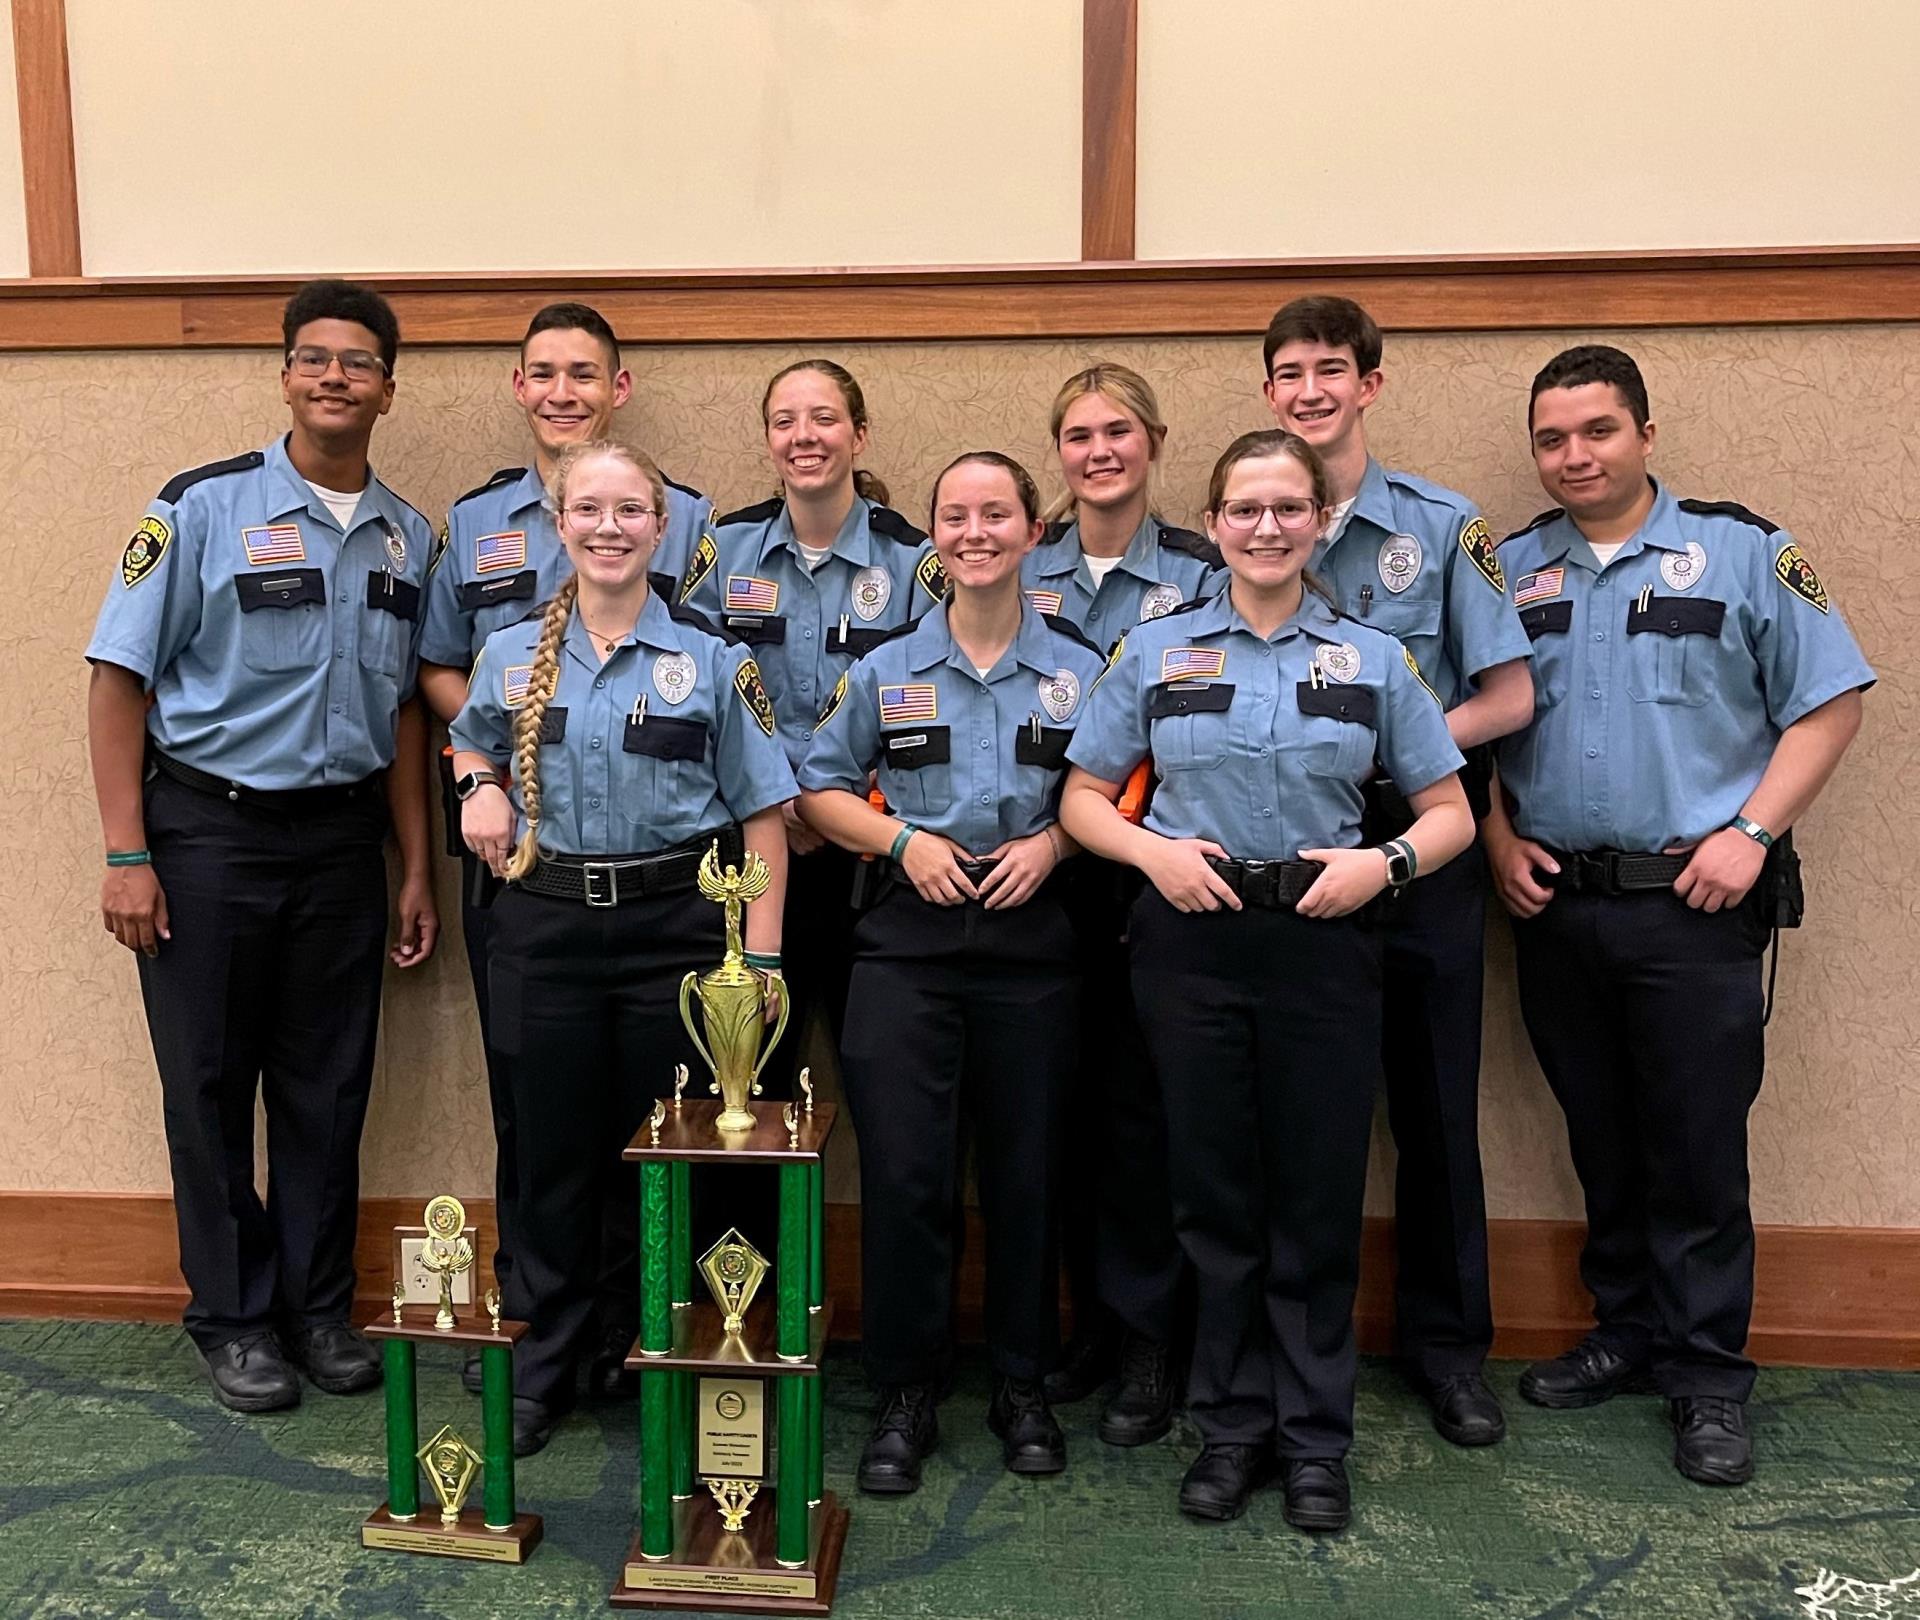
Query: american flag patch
{"x": 518, "y": 678}
{"x": 907, "y": 705}
{"x": 746, "y": 594}
{"x": 1045, "y": 601}
{"x": 495, "y": 553}
{"x": 276, "y": 543}
{"x": 1532, "y": 587}
{"x": 1188, "y": 663}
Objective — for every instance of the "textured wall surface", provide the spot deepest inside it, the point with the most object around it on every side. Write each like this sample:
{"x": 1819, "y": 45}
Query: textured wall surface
{"x": 1814, "y": 428}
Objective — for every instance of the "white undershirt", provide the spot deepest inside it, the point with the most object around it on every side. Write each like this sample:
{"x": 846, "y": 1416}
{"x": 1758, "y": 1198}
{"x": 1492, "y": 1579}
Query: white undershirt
{"x": 1337, "y": 515}
{"x": 983, "y": 673}
{"x": 342, "y": 503}
{"x": 813, "y": 556}
{"x": 1606, "y": 550}
{"x": 1100, "y": 567}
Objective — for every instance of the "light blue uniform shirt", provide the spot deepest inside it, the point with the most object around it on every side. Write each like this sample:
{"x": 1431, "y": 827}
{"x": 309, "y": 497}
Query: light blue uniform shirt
{"x": 976, "y": 759}
{"x": 1663, "y": 681}
{"x": 807, "y": 626}
{"x": 1261, "y": 745}
{"x": 1416, "y": 559}
{"x": 501, "y": 555}
{"x": 671, "y": 737}
{"x": 277, "y": 649}
{"x": 1161, "y": 568}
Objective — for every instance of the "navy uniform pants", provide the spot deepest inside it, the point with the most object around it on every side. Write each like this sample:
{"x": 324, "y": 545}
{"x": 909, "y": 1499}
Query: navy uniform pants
{"x": 1645, "y": 1015}
{"x": 1433, "y": 938}
{"x": 270, "y": 983}
{"x": 952, "y": 1008}
{"x": 816, "y": 956}
{"x": 478, "y": 887}
{"x": 1265, "y": 1029}
{"x": 586, "y": 1023}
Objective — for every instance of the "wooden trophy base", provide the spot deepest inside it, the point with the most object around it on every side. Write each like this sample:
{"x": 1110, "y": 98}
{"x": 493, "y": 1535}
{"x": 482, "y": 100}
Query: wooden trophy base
{"x": 736, "y": 1573}
{"x": 470, "y": 1538}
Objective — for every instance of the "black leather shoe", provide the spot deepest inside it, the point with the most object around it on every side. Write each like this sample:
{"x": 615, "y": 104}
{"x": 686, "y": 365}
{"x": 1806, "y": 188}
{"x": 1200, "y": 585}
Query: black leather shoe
{"x": 250, "y": 1375}
{"x": 1465, "y": 1410}
{"x": 1711, "y": 1445}
{"x": 607, "y": 1375}
{"x": 335, "y": 1359}
{"x": 1090, "y": 1363}
{"x": 905, "y": 1431}
{"x": 1030, "y": 1437}
{"x": 1318, "y": 1496}
{"x": 1141, "y": 1410}
{"x": 533, "y": 1425}
{"x": 1586, "y": 1375}
{"x": 470, "y": 1378}
{"x": 1221, "y": 1481}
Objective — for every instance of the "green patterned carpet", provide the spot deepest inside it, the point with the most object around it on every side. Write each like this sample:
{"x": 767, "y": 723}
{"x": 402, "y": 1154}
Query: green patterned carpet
{"x": 125, "y": 1491}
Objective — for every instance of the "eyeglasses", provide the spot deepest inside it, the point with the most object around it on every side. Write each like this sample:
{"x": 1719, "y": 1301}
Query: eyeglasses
{"x": 312, "y": 361}
{"x": 628, "y": 514}
{"x": 1243, "y": 517}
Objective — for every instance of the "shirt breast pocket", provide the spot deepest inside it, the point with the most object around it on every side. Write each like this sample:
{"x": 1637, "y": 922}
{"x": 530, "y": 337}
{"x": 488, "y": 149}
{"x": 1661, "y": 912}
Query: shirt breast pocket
{"x": 283, "y": 619}
{"x": 653, "y": 785}
{"x": 1671, "y": 642}
{"x": 1412, "y": 617}
{"x": 393, "y": 608}
{"x": 1188, "y": 724}
{"x": 1546, "y": 625}
{"x": 498, "y": 602}
{"x": 916, "y": 769}
{"x": 1338, "y": 730}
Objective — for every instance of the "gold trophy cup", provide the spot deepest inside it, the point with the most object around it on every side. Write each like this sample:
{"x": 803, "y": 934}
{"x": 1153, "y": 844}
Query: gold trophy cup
{"x": 732, "y": 996}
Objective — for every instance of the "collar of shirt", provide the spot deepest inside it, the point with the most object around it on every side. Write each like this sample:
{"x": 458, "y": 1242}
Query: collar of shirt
{"x": 1661, "y": 530}
{"x": 292, "y": 493}
{"x": 1063, "y": 556}
{"x": 527, "y": 492}
{"x": 931, "y": 643}
{"x": 1313, "y": 617}
{"x": 854, "y": 542}
{"x": 654, "y": 628}
{"x": 1373, "y": 500}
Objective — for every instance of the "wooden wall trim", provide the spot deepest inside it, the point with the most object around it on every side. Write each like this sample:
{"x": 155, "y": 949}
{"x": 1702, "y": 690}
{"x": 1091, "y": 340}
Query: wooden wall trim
{"x": 46, "y": 137}
{"x": 1109, "y": 72}
{"x": 1759, "y": 287}
{"x": 1823, "y": 1296}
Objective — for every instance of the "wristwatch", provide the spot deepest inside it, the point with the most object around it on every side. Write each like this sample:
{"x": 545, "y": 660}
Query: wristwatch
{"x": 1753, "y": 830}
{"x": 464, "y": 787}
{"x": 1400, "y": 862}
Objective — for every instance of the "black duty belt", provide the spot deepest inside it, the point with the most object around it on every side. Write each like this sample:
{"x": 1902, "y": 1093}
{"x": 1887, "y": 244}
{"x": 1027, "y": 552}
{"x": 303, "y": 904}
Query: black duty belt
{"x": 1613, "y": 871}
{"x": 292, "y": 800}
{"x": 1274, "y": 885}
{"x": 612, "y": 880}
{"x": 890, "y": 873}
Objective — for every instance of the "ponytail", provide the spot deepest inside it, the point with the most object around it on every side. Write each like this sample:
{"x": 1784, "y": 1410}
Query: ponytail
{"x": 870, "y": 486}
{"x": 541, "y": 686}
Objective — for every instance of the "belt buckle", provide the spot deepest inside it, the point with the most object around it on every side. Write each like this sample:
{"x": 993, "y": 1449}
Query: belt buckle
{"x": 603, "y": 883}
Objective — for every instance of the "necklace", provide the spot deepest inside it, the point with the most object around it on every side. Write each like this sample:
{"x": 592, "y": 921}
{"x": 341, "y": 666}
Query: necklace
{"x": 607, "y": 642}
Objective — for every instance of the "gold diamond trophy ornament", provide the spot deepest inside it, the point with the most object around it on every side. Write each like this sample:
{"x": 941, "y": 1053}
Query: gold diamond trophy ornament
{"x": 732, "y": 996}
{"x": 451, "y": 1465}
{"x": 733, "y": 1269}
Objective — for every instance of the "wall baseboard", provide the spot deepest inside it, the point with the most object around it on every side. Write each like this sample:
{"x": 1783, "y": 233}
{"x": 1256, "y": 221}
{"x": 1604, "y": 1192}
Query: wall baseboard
{"x": 1824, "y": 1296}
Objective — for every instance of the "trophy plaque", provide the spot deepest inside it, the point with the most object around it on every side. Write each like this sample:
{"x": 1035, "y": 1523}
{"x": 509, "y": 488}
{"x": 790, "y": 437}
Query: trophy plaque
{"x": 496, "y": 1531}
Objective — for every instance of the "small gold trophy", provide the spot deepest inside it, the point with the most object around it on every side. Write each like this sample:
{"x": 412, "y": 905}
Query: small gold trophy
{"x": 734, "y": 1269}
{"x": 732, "y": 996}
{"x": 734, "y": 1497}
{"x": 447, "y": 1253}
{"x": 450, "y": 1464}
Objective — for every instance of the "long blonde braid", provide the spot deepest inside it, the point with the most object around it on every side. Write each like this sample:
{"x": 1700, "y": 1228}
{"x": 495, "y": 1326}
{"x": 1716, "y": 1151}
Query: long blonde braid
{"x": 541, "y": 686}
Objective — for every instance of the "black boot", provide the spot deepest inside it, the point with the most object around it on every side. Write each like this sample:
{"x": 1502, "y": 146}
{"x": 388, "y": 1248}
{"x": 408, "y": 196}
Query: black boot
{"x": 1142, "y": 1407}
{"x": 471, "y": 1379}
{"x": 335, "y": 1358}
{"x": 1092, "y": 1358}
{"x": 1711, "y": 1445}
{"x": 905, "y": 1431}
{"x": 1586, "y": 1375}
{"x": 533, "y": 1425}
{"x": 250, "y": 1375}
{"x": 1464, "y": 1409}
{"x": 1318, "y": 1496}
{"x": 1030, "y": 1437}
{"x": 1222, "y": 1479}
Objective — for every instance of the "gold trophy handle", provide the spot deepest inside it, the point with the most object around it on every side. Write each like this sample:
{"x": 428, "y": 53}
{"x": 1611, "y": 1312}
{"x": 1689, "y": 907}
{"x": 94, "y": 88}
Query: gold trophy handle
{"x": 779, "y": 1029}
{"x": 688, "y": 986}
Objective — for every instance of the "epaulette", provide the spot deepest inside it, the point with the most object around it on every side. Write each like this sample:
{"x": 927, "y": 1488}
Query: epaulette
{"x": 759, "y": 512}
{"x": 1425, "y": 488}
{"x": 899, "y": 630}
{"x": 884, "y": 520}
{"x": 1728, "y": 509}
{"x": 685, "y": 489}
{"x": 422, "y": 516}
{"x": 693, "y": 616}
{"x": 1073, "y": 632}
{"x": 1530, "y": 525}
{"x": 1054, "y": 530}
{"x": 1192, "y": 545}
{"x": 506, "y": 475}
{"x": 1185, "y": 607}
{"x": 180, "y": 483}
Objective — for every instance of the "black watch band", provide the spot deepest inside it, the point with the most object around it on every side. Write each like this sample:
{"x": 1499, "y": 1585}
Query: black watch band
{"x": 464, "y": 787}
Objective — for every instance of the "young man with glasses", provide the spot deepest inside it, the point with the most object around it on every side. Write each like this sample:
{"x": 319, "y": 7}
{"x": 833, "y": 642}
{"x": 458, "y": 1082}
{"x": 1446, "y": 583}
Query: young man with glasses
{"x": 253, "y": 730}
{"x": 1408, "y": 556}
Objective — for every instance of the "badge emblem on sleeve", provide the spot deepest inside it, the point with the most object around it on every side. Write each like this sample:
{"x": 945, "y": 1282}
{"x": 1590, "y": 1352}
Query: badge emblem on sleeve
{"x": 1341, "y": 663}
{"x": 872, "y": 590}
{"x": 753, "y": 693}
{"x": 1682, "y": 569}
{"x": 144, "y": 551}
{"x": 932, "y": 575}
{"x": 1059, "y": 692}
{"x": 673, "y": 676}
{"x": 1476, "y": 540}
{"x": 1159, "y": 602}
{"x": 1796, "y": 573}
{"x": 1400, "y": 560}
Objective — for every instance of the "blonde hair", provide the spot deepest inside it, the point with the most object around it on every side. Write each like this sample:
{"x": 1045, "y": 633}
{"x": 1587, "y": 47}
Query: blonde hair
{"x": 568, "y": 462}
{"x": 1127, "y": 389}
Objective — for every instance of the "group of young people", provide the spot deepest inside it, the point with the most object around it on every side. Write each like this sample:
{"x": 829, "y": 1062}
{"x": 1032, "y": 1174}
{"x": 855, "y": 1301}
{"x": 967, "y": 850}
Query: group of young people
{"x": 1154, "y": 853}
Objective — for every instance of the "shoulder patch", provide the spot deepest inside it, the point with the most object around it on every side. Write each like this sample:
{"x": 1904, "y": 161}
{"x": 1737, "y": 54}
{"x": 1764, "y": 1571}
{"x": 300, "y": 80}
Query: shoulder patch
{"x": 1072, "y": 631}
{"x": 1477, "y": 542}
{"x": 753, "y": 693}
{"x": 144, "y": 551}
{"x": 835, "y": 698}
{"x": 1796, "y": 573}
{"x": 1532, "y": 523}
{"x": 1729, "y": 509}
{"x": 506, "y": 475}
{"x": 699, "y": 565}
{"x": 932, "y": 576}
{"x": 884, "y": 520}
{"x": 1113, "y": 657}
{"x": 1192, "y": 545}
{"x": 685, "y": 489}
{"x": 1414, "y": 670}
{"x": 759, "y": 512}
{"x": 180, "y": 483}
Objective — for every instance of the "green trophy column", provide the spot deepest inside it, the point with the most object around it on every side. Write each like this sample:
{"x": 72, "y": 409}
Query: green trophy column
{"x": 790, "y": 1507}
{"x": 816, "y": 1300}
{"x": 681, "y": 1178}
{"x": 403, "y": 1431}
{"x": 496, "y": 1396}
{"x": 656, "y": 1388}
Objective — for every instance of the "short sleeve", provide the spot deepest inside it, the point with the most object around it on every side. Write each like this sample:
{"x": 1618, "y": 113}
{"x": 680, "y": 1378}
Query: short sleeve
{"x": 484, "y": 724}
{"x": 1806, "y": 653}
{"x": 749, "y": 765}
{"x": 1482, "y": 625}
{"x": 1415, "y": 745}
{"x": 1111, "y": 737}
{"x": 446, "y": 630}
{"x": 152, "y": 605}
{"x": 846, "y": 737}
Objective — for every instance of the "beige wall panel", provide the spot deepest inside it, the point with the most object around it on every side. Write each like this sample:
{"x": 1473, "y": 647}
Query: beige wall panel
{"x": 1284, "y": 128}
{"x": 13, "y": 201}
{"x": 1775, "y": 418}
{"x": 607, "y": 134}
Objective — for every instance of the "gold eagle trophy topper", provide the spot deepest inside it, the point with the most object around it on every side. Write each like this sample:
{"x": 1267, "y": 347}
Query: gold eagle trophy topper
{"x": 733, "y": 997}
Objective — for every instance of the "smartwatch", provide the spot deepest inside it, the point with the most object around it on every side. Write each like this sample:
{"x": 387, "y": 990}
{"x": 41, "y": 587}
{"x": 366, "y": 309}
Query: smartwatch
{"x": 1753, "y": 830}
{"x": 464, "y": 787}
{"x": 1401, "y": 863}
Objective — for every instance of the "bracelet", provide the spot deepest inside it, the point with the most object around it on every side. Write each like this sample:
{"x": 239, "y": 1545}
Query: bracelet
{"x": 907, "y": 830}
{"x": 1739, "y": 824}
{"x": 129, "y": 857}
{"x": 765, "y": 961}
{"x": 1052, "y": 842}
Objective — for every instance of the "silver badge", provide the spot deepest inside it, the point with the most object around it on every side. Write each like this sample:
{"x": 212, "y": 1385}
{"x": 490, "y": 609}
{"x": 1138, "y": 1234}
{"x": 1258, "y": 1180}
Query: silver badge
{"x": 673, "y": 676}
{"x": 396, "y": 548}
{"x": 872, "y": 590}
{"x": 1682, "y": 569}
{"x": 1400, "y": 560}
{"x": 1059, "y": 692}
{"x": 1341, "y": 663}
{"x": 1159, "y": 602}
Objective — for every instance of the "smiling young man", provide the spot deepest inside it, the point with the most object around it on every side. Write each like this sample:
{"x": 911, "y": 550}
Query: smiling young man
{"x": 1406, "y": 555}
{"x": 1696, "y": 689}
{"x": 253, "y": 668}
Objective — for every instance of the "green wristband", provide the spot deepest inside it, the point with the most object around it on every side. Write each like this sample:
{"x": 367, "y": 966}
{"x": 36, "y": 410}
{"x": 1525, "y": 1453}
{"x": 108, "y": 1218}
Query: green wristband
{"x": 765, "y": 961}
{"x": 129, "y": 857}
{"x": 900, "y": 843}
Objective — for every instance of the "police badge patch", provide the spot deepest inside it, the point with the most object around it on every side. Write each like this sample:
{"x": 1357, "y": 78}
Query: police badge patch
{"x": 1400, "y": 560}
{"x": 1682, "y": 569}
{"x": 932, "y": 576}
{"x": 1059, "y": 692}
{"x": 872, "y": 590}
{"x": 1159, "y": 602}
{"x": 1797, "y": 574}
{"x": 753, "y": 693}
{"x": 673, "y": 676}
{"x": 1476, "y": 540}
{"x": 396, "y": 548}
{"x": 1341, "y": 663}
{"x": 699, "y": 565}
{"x": 144, "y": 551}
